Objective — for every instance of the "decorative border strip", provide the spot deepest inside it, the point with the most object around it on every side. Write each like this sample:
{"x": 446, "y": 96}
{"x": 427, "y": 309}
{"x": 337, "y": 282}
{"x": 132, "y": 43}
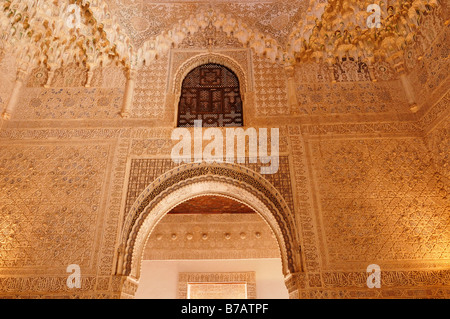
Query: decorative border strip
{"x": 229, "y": 277}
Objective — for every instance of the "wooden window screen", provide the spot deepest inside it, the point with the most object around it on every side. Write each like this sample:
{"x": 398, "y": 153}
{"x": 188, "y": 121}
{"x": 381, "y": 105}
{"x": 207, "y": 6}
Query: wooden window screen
{"x": 210, "y": 93}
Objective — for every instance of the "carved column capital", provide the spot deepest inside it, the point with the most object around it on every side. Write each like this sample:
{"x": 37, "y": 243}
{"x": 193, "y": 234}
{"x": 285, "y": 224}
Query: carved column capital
{"x": 372, "y": 73}
{"x": 6, "y": 116}
{"x": 331, "y": 73}
{"x": 131, "y": 74}
{"x": 295, "y": 282}
{"x": 400, "y": 68}
{"x": 50, "y": 76}
{"x": 22, "y": 75}
{"x": 290, "y": 71}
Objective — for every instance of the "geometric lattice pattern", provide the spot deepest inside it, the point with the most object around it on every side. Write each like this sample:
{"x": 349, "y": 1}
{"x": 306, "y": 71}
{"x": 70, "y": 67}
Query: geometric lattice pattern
{"x": 270, "y": 88}
{"x": 370, "y": 178}
{"x": 144, "y": 171}
{"x": 438, "y": 142}
{"x": 210, "y": 93}
{"x": 149, "y": 94}
{"x": 429, "y": 74}
{"x": 382, "y": 200}
{"x": 49, "y": 203}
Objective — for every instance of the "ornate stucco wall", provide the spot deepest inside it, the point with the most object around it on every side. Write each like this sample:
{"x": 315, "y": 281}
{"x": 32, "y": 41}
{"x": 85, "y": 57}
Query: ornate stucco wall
{"x": 366, "y": 179}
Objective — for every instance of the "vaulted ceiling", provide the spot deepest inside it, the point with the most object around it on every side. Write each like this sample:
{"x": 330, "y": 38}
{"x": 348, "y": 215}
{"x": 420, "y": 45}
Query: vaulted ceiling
{"x": 144, "y": 19}
{"x": 135, "y": 32}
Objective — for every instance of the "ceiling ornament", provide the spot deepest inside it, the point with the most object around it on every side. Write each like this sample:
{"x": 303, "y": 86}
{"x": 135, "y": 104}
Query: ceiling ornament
{"x": 57, "y": 33}
{"x": 60, "y": 32}
{"x": 262, "y": 44}
{"x": 341, "y": 29}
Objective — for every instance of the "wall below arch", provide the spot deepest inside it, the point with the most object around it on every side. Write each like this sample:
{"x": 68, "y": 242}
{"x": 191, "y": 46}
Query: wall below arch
{"x": 159, "y": 278}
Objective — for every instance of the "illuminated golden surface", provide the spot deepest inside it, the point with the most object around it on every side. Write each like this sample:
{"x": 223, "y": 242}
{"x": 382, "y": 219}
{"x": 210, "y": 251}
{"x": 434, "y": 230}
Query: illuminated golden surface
{"x": 88, "y": 113}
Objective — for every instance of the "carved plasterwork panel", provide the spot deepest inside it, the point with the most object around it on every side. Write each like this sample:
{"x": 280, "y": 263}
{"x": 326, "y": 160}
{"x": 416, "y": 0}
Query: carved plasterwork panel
{"x": 438, "y": 141}
{"x": 113, "y": 77}
{"x": 311, "y": 72}
{"x": 221, "y": 292}
{"x": 389, "y": 128}
{"x": 308, "y": 227}
{"x": 217, "y": 291}
{"x": 145, "y": 19}
{"x": 51, "y": 204}
{"x": 351, "y": 70}
{"x": 210, "y": 38}
{"x": 73, "y": 75}
{"x": 206, "y": 236}
{"x": 353, "y": 92}
{"x": 191, "y": 181}
{"x": 435, "y": 114}
{"x": 395, "y": 285}
{"x": 270, "y": 88}
{"x": 150, "y": 91}
{"x": 430, "y": 76}
{"x": 114, "y": 213}
{"x": 384, "y": 71}
{"x": 346, "y": 71}
{"x": 185, "y": 61}
{"x": 349, "y": 98}
{"x": 381, "y": 201}
{"x": 145, "y": 171}
{"x": 69, "y": 103}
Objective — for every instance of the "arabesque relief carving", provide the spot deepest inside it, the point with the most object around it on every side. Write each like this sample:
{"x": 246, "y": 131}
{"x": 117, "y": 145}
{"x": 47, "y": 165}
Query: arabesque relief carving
{"x": 89, "y": 95}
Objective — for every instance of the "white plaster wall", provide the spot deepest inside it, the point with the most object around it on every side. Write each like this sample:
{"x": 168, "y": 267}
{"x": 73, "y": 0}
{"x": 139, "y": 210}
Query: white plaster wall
{"x": 159, "y": 279}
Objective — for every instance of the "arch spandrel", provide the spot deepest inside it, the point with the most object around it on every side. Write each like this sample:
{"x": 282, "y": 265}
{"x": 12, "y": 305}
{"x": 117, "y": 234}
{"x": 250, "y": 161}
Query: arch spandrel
{"x": 193, "y": 180}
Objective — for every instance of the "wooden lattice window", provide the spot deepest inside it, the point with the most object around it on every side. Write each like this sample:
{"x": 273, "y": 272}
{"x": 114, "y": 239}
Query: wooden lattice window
{"x": 210, "y": 93}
